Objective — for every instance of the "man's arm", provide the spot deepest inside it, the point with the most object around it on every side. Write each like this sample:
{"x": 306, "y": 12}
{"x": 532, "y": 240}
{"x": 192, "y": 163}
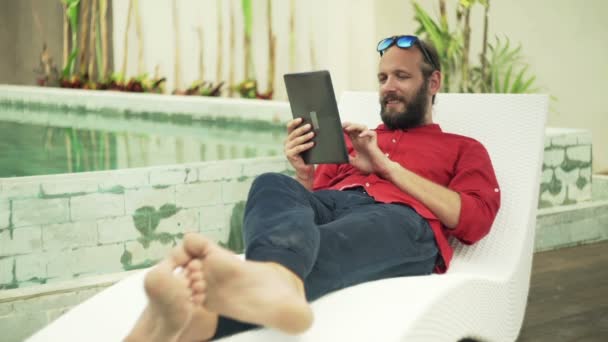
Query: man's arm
{"x": 443, "y": 202}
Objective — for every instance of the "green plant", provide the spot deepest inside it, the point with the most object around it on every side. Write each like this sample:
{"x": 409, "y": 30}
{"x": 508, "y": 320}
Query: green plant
{"x": 501, "y": 68}
{"x": 72, "y": 9}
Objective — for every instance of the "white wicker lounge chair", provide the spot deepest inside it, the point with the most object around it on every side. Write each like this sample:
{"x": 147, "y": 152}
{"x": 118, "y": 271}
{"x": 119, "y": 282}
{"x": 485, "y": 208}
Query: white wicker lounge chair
{"x": 482, "y": 296}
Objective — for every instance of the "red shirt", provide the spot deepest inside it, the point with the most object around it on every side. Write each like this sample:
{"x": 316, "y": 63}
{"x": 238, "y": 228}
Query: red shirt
{"x": 457, "y": 162}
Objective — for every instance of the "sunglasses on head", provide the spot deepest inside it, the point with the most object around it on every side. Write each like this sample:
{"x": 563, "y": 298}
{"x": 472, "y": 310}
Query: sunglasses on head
{"x": 404, "y": 42}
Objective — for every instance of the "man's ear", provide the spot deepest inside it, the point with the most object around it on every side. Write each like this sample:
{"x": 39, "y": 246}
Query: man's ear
{"x": 435, "y": 82}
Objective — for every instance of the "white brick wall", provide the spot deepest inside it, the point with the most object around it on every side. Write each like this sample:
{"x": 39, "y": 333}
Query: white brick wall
{"x": 213, "y": 218}
{"x": 235, "y": 190}
{"x": 155, "y": 251}
{"x": 6, "y": 270}
{"x": 20, "y": 189}
{"x": 27, "y": 212}
{"x": 58, "y": 187}
{"x": 170, "y": 177}
{"x": 197, "y": 195}
{"x": 90, "y": 260}
{"x": 135, "y": 199}
{"x": 25, "y": 240}
{"x": 219, "y": 170}
{"x": 96, "y": 206}
{"x": 184, "y": 221}
{"x": 554, "y": 157}
{"x": 255, "y": 169}
{"x": 69, "y": 235}
{"x": 4, "y": 213}
{"x": 580, "y": 153}
{"x": 130, "y": 180}
{"x": 30, "y": 266}
{"x": 117, "y": 230}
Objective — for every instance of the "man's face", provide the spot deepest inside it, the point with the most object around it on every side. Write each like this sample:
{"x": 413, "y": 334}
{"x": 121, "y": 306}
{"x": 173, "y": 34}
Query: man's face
{"x": 404, "y": 96}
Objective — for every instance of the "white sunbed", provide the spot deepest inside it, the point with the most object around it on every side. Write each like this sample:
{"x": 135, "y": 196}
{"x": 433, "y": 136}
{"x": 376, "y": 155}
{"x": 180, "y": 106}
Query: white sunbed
{"x": 482, "y": 296}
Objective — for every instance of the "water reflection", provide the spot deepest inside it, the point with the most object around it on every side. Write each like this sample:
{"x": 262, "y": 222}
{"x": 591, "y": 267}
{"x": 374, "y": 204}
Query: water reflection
{"x": 87, "y": 143}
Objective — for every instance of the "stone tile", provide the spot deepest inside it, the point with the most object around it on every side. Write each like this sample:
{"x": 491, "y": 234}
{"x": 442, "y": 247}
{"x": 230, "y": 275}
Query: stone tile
{"x": 118, "y": 229}
{"x": 567, "y": 178}
{"x": 554, "y": 199}
{"x": 213, "y": 218}
{"x": 69, "y": 235}
{"x": 27, "y": 212}
{"x": 67, "y": 186}
{"x": 554, "y": 157}
{"x": 255, "y": 169}
{"x": 6, "y": 308}
{"x": 565, "y": 140}
{"x": 198, "y": 195}
{"x": 20, "y": 189}
{"x": 6, "y": 271}
{"x": 156, "y": 198}
{"x": 236, "y": 190}
{"x": 95, "y": 206}
{"x": 170, "y": 176}
{"x": 89, "y": 260}
{"x": 30, "y": 266}
{"x": 154, "y": 252}
{"x": 5, "y": 212}
{"x": 130, "y": 179}
{"x": 579, "y": 153}
{"x": 184, "y": 221}
{"x": 219, "y": 170}
{"x": 24, "y": 240}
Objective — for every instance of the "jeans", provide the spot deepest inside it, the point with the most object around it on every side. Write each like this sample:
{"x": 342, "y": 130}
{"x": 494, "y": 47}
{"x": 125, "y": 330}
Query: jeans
{"x": 331, "y": 239}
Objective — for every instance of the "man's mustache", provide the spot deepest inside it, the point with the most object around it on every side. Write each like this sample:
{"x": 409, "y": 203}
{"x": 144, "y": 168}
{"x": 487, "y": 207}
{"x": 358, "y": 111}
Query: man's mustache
{"x": 391, "y": 97}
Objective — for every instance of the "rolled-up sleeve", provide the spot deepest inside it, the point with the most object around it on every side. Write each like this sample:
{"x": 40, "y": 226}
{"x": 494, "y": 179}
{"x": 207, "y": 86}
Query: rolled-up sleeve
{"x": 476, "y": 183}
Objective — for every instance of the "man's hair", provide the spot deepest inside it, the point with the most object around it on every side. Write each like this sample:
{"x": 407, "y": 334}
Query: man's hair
{"x": 427, "y": 68}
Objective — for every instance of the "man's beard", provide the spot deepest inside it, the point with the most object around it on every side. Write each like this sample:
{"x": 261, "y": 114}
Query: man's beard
{"x": 413, "y": 114}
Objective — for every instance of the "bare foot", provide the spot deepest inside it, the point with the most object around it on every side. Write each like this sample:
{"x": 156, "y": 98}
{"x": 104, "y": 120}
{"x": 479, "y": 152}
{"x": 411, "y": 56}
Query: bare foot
{"x": 256, "y": 292}
{"x": 170, "y": 305}
{"x": 203, "y": 324}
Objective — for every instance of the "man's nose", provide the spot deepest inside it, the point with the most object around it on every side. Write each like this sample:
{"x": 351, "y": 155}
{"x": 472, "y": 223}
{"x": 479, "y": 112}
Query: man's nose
{"x": 388, "y": 85}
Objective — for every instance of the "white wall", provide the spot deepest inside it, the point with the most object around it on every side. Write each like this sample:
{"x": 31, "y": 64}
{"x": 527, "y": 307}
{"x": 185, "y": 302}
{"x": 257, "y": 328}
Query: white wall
{"x": 564, "y": 41}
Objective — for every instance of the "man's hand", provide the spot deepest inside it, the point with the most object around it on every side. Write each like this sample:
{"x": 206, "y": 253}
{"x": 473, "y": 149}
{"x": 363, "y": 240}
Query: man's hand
{"x": 299, "y": 140}
{"x": 368, "y": 158}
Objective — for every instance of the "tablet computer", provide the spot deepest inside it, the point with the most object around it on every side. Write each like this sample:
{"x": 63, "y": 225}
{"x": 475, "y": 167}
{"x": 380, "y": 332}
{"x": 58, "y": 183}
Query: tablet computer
{"x": 311, "y": 96}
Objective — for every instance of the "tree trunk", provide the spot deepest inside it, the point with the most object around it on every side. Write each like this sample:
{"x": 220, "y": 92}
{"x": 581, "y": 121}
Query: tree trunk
{"x": 220, "y": 44}
{"x": 465, "y": 53}
{"x": 105, "y": 53}
{"x": 84, "y": 34}
{"x": 485, "y": 85}
{"x": 272, "y": 40}
{"x": 201, "y": 60}
{"x": 66, "y": 36}
{"x": 232, "y": 47}
{"x": 126, "y": 41}
{"x": 92, "y": 40}
{"x": 141, "y": 67}
{"x": 177, "y": 69}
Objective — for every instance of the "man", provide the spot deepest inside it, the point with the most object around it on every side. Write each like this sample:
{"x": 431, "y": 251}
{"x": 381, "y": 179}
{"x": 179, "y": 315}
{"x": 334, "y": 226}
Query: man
{"x": 388, "y": 213}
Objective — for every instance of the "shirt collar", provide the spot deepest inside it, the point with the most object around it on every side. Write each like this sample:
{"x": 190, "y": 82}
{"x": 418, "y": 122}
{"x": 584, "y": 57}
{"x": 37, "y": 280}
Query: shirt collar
{"x": 424, "y": 128}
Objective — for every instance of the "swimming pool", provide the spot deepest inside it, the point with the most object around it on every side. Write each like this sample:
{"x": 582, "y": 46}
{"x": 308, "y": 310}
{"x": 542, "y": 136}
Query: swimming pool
{"x": 43, "y": 139}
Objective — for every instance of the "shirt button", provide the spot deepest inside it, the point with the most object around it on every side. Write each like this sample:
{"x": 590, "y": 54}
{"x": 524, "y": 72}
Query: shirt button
{"x": 367, "y": 185}
{"x": 496, "y": 190}
{"x": 394, "y": 141}
{"x": 386, "y": 154}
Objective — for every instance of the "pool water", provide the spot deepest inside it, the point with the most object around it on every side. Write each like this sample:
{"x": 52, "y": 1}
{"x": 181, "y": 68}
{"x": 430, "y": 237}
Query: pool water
{"x": 39, "y": 143}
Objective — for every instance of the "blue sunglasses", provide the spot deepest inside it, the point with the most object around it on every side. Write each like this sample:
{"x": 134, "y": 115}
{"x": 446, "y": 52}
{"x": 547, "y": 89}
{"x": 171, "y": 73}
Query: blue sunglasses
{"x": 404, "y": 42}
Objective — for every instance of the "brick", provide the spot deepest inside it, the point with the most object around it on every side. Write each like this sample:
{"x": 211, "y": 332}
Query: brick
{"x": 235, "y": 191}
{"x": 156, "y": 198}
{"x": 89, "y": 260}
{"x": 173, "y": 176}
{"x": 220, "y": 170}
{"x": 6, "y": 270}
{"x": 554, "y": 157}
{"x": 255, "y": 168}
{"x": 5, "y": 213}
{"x": 25, "y": 240}
{"x": 20, "y": 189}
{"x": 216, "y": 235}
{"x": 198, "y": 195}
{"x": 184, "y": 221}
{"x": 585, "y": 138}
{"x": 119, "y": 229}
{"x": 565, "y": 140}
{"x": 153, "y": 253}
{"x": 30, "y": 266}
{"x": 213, "y": 218}
{"x": 554, "y": 199}
{"x": 30, "y": 212}
{"x": 547, "y": 142}
{"x": 586, "y": 173}
{"x": 579, "y": 195}
{"x": 129, "y": 179}
{"x": 96, "y": 206}
{"x": 69, "y": 235}
{"x": 579, "y": 153}
{"x": 69, "y": 186}
{"x": 567, "y": 178}
{"x": 547, "y": 176}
